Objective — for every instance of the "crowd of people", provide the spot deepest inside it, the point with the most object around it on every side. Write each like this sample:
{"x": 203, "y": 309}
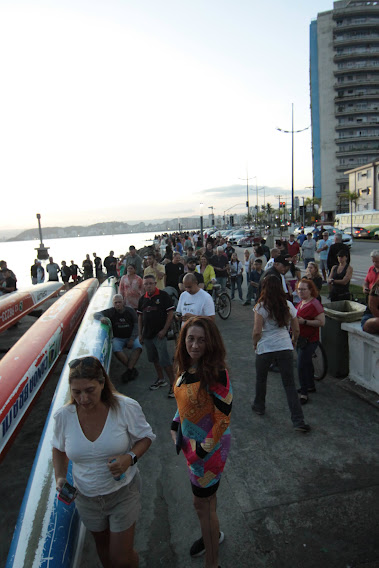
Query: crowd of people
{"x": 174, "y": 279}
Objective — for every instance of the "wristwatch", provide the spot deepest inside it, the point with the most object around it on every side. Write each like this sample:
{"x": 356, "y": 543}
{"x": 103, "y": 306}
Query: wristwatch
{"x": 134, "y": 457}
{"x": 305, "y": 322}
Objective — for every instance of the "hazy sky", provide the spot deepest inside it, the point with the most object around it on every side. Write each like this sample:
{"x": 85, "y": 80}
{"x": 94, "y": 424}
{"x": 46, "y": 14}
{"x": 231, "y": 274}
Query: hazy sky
{"x": 138, "y": 109}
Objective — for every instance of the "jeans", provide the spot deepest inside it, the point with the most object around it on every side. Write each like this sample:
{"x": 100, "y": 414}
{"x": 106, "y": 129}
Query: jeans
{"x": 305, "y": 367}
{"x": 307, "y": 260}
{"x": 222, "y": 281}
{"x": 237, "y": 280}
{"x": 284, "y": 360}
{"x": 251, "y": 293}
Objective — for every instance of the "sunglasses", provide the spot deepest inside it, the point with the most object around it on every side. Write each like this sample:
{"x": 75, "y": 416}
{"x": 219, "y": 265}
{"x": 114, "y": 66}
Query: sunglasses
{"x": 85, "y": 361}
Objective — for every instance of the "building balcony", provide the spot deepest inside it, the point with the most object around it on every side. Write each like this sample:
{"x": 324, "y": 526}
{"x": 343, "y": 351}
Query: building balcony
{"x": 357, "y": 138}
{"x": 360, "y": 97}
{"x": 369, "y": 53}
{"x": 355, "y": 124}
{"x": 356, "y": 26}
{"x": 357, "y": 152}
{"x": 358, "y": 66}
{"x": 358, "y": 111}
{"x": 341, "y": 41}
{"x": 366, "y": 10}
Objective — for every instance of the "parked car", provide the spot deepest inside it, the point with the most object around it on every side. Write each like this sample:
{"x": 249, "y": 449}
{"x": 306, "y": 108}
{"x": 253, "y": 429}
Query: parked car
{"x": 358, "y": 232}
{"x": 236, "y": 236}
{"x": 249, "y": 240}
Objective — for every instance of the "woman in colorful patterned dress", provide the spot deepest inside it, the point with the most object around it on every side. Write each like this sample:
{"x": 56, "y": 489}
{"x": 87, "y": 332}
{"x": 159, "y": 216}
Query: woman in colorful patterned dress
{"x": 201, "y": 424}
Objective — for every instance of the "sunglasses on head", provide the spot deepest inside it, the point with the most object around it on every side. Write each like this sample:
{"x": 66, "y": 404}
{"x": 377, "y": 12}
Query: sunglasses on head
{"x": 85, "y": 361}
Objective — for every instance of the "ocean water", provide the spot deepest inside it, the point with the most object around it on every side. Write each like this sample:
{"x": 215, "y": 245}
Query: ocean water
{"x": 20, "y": 255}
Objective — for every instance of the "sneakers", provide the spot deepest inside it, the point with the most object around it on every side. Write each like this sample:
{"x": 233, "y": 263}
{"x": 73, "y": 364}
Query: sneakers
{"x": 198, "y": 548}
{"x": 303, "y": 428}
{"x": 158, "y": 383}
{"x": 171, "y": 393}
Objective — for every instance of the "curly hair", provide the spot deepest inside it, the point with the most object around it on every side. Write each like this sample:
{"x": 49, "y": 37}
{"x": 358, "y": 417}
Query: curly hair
{"x": 90, "y": 368}
{"x": 213, "y": 360}
{"x": 273, "y": 299}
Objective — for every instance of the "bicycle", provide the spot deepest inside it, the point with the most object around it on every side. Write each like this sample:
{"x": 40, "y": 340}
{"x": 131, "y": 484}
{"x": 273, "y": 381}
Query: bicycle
{"x": 223, "y": 304}
{"x": 320, "y": 362}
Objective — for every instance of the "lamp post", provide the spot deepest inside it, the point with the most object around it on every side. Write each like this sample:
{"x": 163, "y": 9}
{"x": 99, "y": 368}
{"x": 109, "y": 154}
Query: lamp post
{"x": 213, "y": 217}
{"x": 247, "y": 193}
{"x": 292, "y": 132}
{"x": 232, "y": 207}
{"x": 201, "y": 222}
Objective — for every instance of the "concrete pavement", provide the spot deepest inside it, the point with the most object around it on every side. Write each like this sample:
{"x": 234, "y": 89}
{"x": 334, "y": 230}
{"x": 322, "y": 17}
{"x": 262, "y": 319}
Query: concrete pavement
{"x": 286, "y": 499}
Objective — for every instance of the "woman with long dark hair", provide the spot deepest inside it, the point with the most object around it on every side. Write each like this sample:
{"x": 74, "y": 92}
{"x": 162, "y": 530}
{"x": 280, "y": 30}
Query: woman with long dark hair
{"x": 103, "y": 433}
{"x": 273, "y": 317}
{"x": 201, "y": 424}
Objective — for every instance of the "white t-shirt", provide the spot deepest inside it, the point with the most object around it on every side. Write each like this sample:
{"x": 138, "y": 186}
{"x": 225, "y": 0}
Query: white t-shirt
{"x": 122, "y": 429}
{"x": 274, "y": 338}
{"x": 199, "y": 304}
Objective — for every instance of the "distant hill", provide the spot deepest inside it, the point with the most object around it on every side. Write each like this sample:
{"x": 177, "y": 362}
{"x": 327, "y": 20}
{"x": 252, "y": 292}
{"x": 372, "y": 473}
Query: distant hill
{"x": 109, "y": 228}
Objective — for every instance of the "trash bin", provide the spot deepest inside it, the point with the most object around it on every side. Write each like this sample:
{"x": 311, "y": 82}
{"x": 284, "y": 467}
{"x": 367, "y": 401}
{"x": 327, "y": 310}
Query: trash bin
{"x": 334, "y": 339}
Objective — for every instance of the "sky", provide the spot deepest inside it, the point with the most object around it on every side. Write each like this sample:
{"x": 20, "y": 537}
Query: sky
{"x": 141, "y": 109}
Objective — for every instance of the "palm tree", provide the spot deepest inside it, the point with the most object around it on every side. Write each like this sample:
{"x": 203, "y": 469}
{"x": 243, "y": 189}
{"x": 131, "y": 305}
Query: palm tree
{"x": 269, "y": 211}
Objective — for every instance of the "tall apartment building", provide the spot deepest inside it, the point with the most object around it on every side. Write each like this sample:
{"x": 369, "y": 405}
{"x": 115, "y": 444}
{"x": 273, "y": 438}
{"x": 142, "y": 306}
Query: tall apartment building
{"x": 344, "y": 85}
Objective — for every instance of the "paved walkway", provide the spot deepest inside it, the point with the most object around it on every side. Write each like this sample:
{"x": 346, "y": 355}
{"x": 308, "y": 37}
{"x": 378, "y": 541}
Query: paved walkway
{"x": 286, "y": 500}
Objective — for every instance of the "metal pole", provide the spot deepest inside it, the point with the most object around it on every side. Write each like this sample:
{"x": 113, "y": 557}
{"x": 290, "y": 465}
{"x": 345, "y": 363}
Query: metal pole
{"x": 292, "y": 190}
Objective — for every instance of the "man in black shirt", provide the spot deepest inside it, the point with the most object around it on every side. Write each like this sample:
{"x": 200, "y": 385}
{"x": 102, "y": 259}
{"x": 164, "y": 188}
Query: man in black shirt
{"x": 191, "y": 265}
{"x": 174, "y": 270}
{"x": 98, "y": 267}
{"x": 110, "y": 263}
{"x": 155, "y": 312}
{"x": 8, "y": 282}
{"x": 125, "y": 334}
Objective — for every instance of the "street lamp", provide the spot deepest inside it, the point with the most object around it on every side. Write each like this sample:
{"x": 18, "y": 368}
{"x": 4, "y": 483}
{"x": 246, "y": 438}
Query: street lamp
{"x": 201, "y": 222}
{"x": 247, "y": 193}
{"x": 232, "y": 207}
{"x": 213, "y": 218}
{"x": 292, "y": 132}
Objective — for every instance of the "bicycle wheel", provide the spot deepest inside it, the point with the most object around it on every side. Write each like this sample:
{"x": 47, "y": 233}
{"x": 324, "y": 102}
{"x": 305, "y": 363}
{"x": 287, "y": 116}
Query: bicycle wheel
{"x": 224, "y": 306}
{"x": 320, "y": 363}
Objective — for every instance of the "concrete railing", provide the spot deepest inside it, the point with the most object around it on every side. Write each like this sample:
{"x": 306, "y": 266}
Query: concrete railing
{"x": 363, "y": 356}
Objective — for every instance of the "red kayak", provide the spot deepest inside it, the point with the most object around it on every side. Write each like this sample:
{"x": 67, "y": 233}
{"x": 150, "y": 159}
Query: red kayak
{"x": 25, "y": 368}
{"x": 16, "y": 305}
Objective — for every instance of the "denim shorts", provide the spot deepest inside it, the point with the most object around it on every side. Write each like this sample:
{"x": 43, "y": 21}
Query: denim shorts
{"x": 157, "y": 351}
{"x": 365, "y": 318}
{"x": 118, "y": 343}
{"x": 117, "y": 511}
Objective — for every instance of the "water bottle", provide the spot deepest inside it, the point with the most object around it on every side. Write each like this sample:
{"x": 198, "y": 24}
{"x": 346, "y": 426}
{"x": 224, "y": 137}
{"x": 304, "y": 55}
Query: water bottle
{"x": 122, "y": 476}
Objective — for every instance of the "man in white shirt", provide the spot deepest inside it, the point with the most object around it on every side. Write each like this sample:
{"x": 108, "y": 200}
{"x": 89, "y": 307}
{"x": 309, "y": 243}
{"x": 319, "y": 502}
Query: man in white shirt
{"x": 194, "y": 301}
{"x": 323, "y": 247}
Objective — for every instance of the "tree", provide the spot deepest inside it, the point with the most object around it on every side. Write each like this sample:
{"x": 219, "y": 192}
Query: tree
{"x": 353, "y": 197}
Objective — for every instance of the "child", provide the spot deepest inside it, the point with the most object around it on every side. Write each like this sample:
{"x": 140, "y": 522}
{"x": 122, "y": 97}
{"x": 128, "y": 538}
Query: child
{"x": 255, "y": 276}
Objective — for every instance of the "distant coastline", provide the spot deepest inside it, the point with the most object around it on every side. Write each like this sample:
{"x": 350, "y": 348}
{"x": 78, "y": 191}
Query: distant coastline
{"x": 108, "y": 228}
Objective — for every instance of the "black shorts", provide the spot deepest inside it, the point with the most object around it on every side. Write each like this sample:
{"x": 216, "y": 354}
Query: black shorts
{"x": 204, "y": 491}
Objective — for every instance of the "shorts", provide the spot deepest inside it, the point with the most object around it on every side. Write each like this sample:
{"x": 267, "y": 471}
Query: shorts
{"x": 157, "y": 351}
{"x": 323, "y": 265}
{"x": 204, "y": 492}
{"x": 118, "y": 344}
{"x": 117, "y": 511}
{"x": 365, "y": 318}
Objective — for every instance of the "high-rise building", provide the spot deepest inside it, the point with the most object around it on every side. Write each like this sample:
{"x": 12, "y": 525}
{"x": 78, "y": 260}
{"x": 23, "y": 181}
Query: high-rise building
{"x": 344, "y": 85}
